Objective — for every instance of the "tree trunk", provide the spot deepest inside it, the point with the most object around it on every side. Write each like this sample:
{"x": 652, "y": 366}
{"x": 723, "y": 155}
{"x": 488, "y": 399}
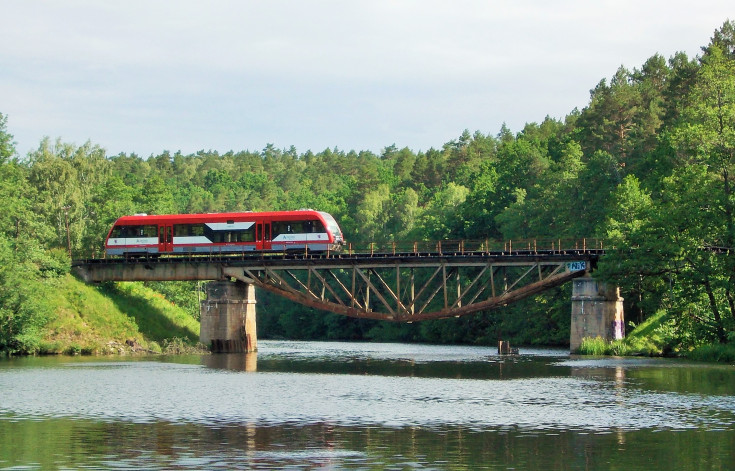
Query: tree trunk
{"x": 720, "y": 329}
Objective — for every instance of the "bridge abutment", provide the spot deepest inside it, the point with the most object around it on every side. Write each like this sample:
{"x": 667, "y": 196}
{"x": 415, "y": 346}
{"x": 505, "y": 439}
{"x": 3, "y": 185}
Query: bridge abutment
{"x": 227, "y": 321}
{"x": 597, "y": 311}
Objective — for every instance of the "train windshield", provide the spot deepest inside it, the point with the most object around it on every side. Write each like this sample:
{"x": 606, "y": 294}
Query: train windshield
{"x": 331, "y": 224}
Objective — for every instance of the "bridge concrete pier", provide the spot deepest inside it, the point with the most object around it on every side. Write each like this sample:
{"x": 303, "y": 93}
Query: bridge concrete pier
{"x": 227, "y": 321}
{"x": 597, "y": 311}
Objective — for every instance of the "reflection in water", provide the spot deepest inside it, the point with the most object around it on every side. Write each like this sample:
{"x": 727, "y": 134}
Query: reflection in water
{"x": 232, "y": 361}
{"x": 65, "y": 443}
{"x": 366, "y": 406}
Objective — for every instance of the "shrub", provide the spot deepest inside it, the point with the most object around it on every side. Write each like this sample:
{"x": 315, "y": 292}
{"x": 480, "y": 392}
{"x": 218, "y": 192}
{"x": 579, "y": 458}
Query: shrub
{"x": 593, "y": 346}
{"x": 626, "y": 347}
{"x": 722, "y": 353}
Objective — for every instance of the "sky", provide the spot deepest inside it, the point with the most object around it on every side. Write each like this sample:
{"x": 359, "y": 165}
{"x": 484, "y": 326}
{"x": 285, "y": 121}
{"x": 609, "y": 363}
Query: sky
{"x": 180, "y": 75}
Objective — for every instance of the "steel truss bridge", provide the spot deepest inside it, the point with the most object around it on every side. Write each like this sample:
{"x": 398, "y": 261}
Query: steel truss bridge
{"x": 388, "y": 282}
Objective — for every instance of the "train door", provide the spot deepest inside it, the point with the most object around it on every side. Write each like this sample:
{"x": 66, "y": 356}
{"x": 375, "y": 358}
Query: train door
{"x": 165, "y": 239}
{"x": 267, "y": 236}
{"x": 263, "y": 235}
{"x": 258, "y": 236}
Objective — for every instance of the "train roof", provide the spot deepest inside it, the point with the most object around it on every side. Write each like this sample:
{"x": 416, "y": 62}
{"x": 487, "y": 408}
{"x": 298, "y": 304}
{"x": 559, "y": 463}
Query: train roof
{"x": 204, "y": 217}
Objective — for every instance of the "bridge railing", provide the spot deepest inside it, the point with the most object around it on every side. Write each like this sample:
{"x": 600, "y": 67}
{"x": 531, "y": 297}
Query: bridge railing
{"x": 441, "y": 247}
{"x": 483, "y": 246}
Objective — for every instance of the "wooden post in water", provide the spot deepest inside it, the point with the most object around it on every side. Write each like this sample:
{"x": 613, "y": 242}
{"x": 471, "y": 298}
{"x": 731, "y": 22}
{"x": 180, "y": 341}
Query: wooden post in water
{"x": 504, "y": 348}
{"x": 228, "y": 317}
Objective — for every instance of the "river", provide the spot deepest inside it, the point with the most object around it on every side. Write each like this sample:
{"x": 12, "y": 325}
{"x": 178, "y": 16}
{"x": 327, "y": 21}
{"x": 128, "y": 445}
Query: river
{"x": 328, "y": 405}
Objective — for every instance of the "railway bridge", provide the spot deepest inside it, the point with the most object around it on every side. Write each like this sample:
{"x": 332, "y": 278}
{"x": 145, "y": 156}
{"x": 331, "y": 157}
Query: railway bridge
{"x": 388, "y": 282}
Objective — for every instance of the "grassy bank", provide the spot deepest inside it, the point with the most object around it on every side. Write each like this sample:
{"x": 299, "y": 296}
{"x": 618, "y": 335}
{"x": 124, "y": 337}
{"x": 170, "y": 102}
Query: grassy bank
{"x": 656, "y": 337}
{"x": 114, "y": 318}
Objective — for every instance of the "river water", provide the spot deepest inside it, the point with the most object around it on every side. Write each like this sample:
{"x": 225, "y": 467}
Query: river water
{"x": 322, "y": 405}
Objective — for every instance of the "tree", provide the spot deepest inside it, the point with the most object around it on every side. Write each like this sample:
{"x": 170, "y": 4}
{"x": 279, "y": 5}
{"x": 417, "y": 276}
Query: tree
{"x": 7, "y": 145}
{"x": 110, "y": 200}
{"x": 724, "y": 40}
{"x": 552, "y": 207}
{"x": 404, "y": 214}
{"x": 155, "y": 198}
{"x": 23, "y": 308}
{"x": 441, "y": 218}
{"x": 372, "y": 214}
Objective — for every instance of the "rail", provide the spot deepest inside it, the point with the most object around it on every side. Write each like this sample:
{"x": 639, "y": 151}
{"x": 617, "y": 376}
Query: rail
{"x": 448, "y": 247}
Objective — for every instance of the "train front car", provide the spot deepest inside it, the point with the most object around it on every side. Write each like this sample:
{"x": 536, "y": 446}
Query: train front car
{"x": 305, "y": 230}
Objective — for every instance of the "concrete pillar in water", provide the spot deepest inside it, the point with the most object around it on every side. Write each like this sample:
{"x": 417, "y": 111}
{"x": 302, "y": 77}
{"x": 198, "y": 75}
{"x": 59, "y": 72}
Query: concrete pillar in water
{"x": 597, "y": 311}
{"x": 228, "y": 317}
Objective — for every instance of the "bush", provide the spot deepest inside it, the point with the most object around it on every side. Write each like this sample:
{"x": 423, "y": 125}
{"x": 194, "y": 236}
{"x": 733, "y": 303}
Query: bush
{"x": 721, "y": 353}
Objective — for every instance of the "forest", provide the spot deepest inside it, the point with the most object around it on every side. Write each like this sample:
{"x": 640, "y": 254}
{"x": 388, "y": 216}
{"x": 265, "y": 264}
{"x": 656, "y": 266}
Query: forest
{"x": 648, "y": 166}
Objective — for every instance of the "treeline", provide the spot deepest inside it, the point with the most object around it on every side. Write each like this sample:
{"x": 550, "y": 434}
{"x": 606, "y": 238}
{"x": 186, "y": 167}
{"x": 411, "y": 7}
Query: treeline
{"x": 647, "y": 165}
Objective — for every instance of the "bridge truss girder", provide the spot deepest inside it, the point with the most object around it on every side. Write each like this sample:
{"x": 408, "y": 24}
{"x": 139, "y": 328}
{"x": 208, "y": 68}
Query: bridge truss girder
{"x": 408, "y": 292}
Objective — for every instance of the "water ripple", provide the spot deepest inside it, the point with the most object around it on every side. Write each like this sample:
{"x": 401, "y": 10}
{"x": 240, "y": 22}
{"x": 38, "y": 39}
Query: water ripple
{"x": 149, "y": 391}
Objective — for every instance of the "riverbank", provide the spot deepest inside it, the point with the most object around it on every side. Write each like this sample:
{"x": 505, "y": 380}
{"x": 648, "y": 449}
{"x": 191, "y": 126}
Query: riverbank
{"x": 656, "y": 337}
{"x": 112, "y": 318}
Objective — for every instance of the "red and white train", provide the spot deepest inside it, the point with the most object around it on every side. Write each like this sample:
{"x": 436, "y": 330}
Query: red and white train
{"x": 224, "y": 233}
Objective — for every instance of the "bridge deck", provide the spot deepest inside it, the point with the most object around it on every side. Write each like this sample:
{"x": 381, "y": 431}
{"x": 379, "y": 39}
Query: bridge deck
{"x": 342, "y": 260}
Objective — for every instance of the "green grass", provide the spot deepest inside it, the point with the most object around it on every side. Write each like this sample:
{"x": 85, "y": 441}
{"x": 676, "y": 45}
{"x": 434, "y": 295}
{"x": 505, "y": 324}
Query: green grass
{"x": 651, "y": 327}
{"x": 626, "y": 347}
{"x": 720, "y": 353}
{"x": 93, "y": 319}
{"x": 153, "y": 313}
{"x": 647, "y": 339}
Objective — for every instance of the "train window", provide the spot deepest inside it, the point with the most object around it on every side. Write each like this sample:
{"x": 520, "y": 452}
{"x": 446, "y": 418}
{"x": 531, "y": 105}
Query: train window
{"x": 297, "y": 227}
{"x": 119, "y": 232}
{"x": 150, "y": 230}
{"x": 188, "y": 230}
{"x": 219, "y": 237}
{"x": 311, "y": 227}
{"x": 246, "y": 236}
{"x": 281, "y": 227}
{"x": 196, "y": 229}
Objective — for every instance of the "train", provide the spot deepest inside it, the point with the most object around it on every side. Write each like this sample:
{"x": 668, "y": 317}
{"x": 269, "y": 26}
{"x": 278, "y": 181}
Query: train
{"x": 224, "y": 233}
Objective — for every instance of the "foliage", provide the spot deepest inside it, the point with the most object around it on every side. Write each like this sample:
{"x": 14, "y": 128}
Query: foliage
{"x": 714, "y": 353}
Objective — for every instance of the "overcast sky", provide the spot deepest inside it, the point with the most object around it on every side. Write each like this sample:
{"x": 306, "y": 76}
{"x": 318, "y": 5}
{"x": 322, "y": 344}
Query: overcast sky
{"x": 147, "y": 76}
